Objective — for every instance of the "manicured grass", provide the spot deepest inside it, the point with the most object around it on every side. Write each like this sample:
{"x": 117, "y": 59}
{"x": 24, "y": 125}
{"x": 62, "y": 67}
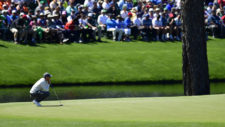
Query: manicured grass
{"x": 101, "y": 62}
{"x": 195, "y": 111}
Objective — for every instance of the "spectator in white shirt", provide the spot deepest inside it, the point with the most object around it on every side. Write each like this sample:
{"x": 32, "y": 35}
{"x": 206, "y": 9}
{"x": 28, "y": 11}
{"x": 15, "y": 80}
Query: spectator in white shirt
{"x": 124, "y": 12}
{"x": 106, "y": 5}
{"x": 157, "y": 25}
{"x": 102, "y": 20}
{"x": 53, "y": 4}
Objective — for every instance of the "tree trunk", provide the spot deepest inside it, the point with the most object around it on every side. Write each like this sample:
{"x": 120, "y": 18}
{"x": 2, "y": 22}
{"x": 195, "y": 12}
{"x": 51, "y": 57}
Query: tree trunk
{"x": 195, "y": 62}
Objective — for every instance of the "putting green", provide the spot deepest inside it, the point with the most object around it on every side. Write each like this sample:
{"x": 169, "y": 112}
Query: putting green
{"x": 203, "y": 111}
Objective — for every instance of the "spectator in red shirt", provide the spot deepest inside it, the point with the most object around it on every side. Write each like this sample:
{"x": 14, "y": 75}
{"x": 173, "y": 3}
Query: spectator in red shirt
{"x": 221, "y": 3}
{"x": 72, "y": 30}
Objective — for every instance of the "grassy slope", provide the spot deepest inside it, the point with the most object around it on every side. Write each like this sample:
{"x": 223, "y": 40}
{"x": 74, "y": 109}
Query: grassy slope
{"x": 196, "y": 111}
{"x": 104, "y": 62}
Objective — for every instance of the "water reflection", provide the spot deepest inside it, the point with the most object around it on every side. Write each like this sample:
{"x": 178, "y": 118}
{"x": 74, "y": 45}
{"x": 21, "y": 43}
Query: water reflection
{"x": 110, "y": 91}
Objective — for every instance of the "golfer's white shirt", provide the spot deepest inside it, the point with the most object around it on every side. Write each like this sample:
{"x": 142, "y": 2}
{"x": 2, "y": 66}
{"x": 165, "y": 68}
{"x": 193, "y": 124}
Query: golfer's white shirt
{"x": 41, "y": 84}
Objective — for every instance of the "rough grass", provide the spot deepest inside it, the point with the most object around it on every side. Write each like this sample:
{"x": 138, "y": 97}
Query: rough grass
{"x": 101, "y": 62}
{"x": 195, "y": 111}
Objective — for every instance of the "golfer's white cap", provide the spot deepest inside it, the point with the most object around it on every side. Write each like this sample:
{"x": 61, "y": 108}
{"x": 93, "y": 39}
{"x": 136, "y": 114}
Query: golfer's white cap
{"x": 46, "y": 74}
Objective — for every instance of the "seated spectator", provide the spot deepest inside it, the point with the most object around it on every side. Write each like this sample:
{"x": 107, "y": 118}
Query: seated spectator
{"x": 131, "y": 28}
{"x": 84, "y": 29}
{"x": 137, "y": 23}
{"x": 18, "y": 26}
{"x": 172, "y": 25}
{"x": 112, "y": 27}
{"x": 102, "y": 20}
{"x": 147, "y": 29}
{"x": 72, "y": 29}
{"x": 122, "y": 26}
{"x": 124, "y": 12}
{"x": 214, "y": 24}
{"x": 178, "y": 27}
{"x": 158, "y": 26}
{"x": 92, "y": 25}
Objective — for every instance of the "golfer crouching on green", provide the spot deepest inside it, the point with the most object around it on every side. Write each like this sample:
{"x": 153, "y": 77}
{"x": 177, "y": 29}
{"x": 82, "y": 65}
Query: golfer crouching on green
{"x": 40, "y": 90}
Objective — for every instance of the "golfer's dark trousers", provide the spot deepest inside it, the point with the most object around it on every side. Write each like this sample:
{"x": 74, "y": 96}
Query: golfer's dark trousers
{"x": 39, "y": 95}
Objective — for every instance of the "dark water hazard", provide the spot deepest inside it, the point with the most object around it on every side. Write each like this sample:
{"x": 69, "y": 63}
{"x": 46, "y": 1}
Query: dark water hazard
{"x": 106, "y": 91}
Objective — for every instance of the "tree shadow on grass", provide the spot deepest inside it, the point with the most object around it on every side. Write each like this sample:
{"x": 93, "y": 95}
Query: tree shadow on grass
{"x": 3, "y": 46}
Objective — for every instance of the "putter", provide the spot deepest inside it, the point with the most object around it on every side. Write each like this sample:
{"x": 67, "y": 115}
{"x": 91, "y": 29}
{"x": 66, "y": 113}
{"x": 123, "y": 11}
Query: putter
{"x": 60, "y": 104}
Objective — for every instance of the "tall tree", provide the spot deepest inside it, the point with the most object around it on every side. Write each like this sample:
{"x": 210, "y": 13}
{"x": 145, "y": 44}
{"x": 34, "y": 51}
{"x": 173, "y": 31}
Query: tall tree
{"x": 195, "y": 62}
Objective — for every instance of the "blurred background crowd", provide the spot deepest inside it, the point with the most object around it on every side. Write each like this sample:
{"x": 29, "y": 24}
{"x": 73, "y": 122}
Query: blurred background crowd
{"x": 61, "y": 21}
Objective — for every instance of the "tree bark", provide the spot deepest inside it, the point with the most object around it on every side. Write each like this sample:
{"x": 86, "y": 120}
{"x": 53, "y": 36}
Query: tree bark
{"x": 195, "y": 62}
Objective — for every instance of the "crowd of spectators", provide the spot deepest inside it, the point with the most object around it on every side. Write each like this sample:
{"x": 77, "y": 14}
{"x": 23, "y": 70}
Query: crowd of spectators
{"x": 32, "y": 21}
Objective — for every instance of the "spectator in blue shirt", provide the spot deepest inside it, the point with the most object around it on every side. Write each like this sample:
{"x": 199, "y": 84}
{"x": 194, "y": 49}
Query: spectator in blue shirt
{"x": 121, "y": 25}
{"x": 147, "y": 29}
{"x": 112, "y": 27}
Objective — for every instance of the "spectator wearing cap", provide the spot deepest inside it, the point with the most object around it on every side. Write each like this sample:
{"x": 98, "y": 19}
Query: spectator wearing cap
{"x": 172, "y": 25}
{"x": 42, "y": 20}
{"x": 64, "y": 17}
{"x": 18, "y": 26}
{"x": 92, "y": 25}
{"x": 130, "y": 26}
{"x": 7, "y": 17}
{"x": 112, "y": 27}
{"x": 158, "y": 26}
{"x": 124, "y": 12}
{"x": 102, "y": 20}
{"x": 151, "y": 13}
{"x": 209, "y": 8}
{"x": 146, "y": 29}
